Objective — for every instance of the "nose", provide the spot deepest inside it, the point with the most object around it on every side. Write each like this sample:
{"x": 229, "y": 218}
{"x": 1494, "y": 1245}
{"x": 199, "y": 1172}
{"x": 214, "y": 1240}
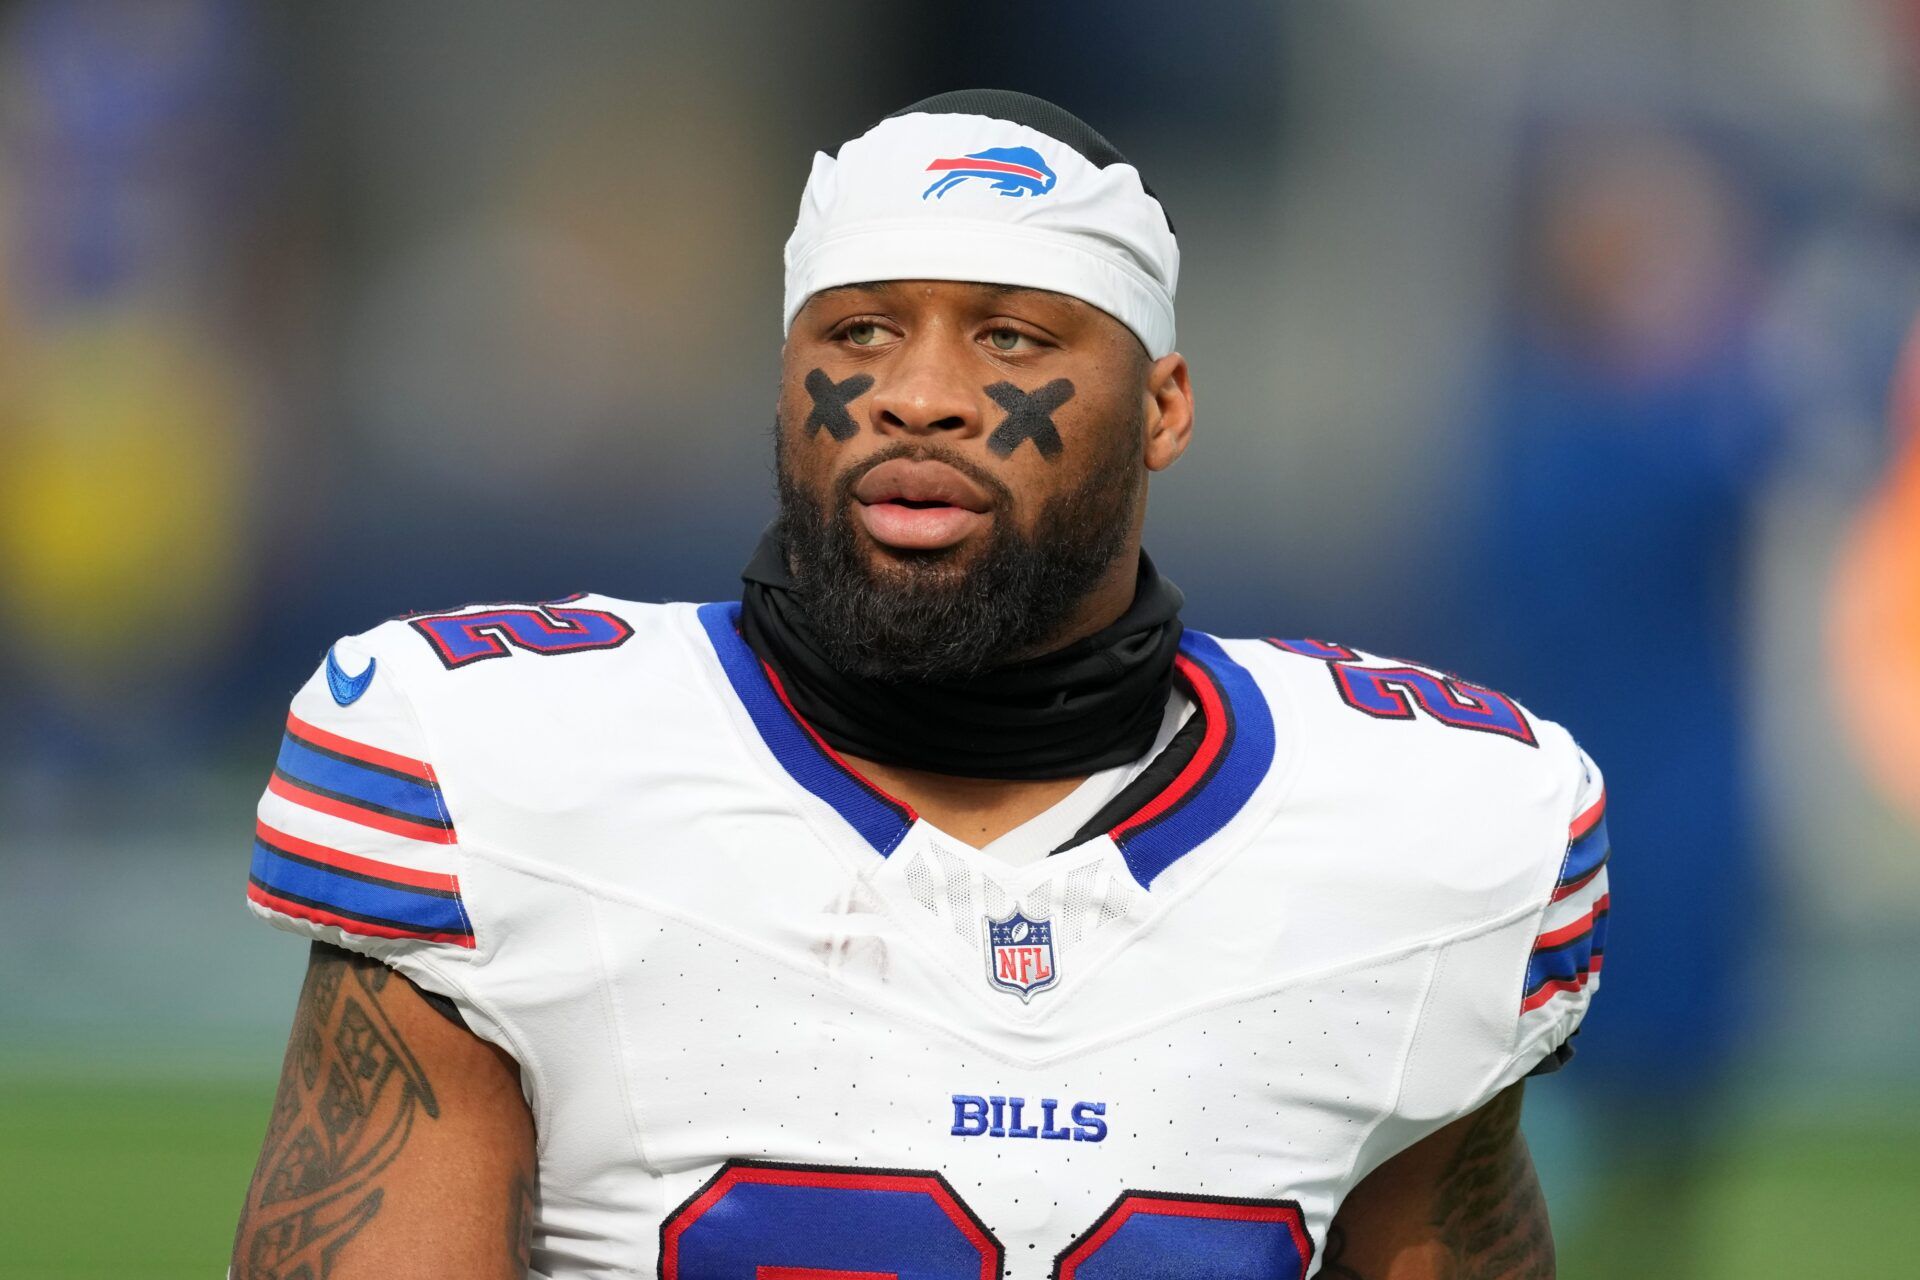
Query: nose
{"x": 925, "y": 390}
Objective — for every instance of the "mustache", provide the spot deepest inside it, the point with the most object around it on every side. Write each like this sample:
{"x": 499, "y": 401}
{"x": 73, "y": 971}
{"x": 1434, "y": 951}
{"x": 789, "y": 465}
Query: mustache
{"x": 912, "y": 451}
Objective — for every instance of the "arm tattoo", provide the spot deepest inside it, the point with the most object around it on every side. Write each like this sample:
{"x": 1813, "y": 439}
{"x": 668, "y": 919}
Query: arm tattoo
{"x": 521, "y": 1206}
{"x": 1487, "y": 1214}
{"x": 1488, "y": 1210}
{"x": 349, "y": 1094}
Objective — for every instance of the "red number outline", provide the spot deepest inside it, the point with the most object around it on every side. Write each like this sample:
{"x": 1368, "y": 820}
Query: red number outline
{"x": 562, "y": 630}
{"x": 770, "y": 1173}
{"x": 1168, "y": 1204}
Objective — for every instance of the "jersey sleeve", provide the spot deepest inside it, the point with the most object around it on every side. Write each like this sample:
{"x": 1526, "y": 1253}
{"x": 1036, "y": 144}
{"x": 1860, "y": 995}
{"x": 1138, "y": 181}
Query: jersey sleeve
{"x": 1506, "y": 996}
{"x": 353, "y": 843}
{"x": 1563, "y": 964}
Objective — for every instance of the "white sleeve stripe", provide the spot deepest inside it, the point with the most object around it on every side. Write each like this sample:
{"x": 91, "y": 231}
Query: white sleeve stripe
{"x": 350, "y": 836}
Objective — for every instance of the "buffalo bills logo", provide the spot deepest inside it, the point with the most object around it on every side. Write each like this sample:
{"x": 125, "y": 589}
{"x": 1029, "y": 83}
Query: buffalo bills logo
{"x": 1013, "y": 171}
{"x": 1020, "y": 955}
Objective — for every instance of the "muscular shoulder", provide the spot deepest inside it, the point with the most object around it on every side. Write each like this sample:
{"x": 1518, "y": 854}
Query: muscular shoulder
{"x": 1429, "y": 810}
{"x": 432, "y": 737}
{"x": 1426, "y": 778}
{"x": 535, "y": 706}
{"x": 494, "y": 655}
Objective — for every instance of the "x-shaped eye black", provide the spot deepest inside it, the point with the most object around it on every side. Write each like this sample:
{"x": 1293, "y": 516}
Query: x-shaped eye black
{"x": 830, "y": 401}
{"x": 1029, "y": 417}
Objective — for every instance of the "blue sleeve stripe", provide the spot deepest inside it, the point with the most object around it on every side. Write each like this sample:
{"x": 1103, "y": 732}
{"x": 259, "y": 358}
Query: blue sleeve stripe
{"x": 1570, "y": 959}
{"x": 358, "y": 896}
{"x": 357, "y": 782}
{"x": 1585, "y": 855}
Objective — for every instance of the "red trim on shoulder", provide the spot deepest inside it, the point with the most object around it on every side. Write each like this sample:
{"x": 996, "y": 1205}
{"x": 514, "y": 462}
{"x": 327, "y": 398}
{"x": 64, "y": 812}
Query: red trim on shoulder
{"x": 365, "y": 817}
{"x": 1567, "y": 933}
{"x": 354, "y": 862}
{"x": 1206, "y": 695}
{"x": 359, "y": 750}
{"x": 1589, "y": 817}
{"x": 1555, "y": 986}
{"x": 773, "y": 678}
{"x": 300, "y": 911}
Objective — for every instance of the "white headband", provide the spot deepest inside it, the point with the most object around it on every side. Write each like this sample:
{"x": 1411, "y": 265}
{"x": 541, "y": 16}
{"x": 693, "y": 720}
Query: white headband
{"x": 969, "y": 197}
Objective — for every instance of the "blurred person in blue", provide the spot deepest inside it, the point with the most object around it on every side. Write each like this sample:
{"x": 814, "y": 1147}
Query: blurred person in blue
{"x": 1629, "y": 423}
{"x": 132, "y": 140}
{"x": 943, "y": 907}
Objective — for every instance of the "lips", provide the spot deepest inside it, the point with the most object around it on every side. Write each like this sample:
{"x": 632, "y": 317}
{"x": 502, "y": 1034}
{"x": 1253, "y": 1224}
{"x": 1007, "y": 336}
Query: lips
{"x": 915, "y": 505}
{"x": 920, "y": 483}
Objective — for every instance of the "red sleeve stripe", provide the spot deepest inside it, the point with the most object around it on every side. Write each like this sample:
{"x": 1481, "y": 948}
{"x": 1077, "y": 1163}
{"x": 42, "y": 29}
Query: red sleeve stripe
{"x": 393, "y": 824}
{"x": 1560, "y": 937}
{"x": 344, "y": 861}
{"x": 1555, "y": 986}
{"x": 365, "y": 928}
{"x": 419, "y": 769}
{"x": 1568, "y": 890}
{"x": 1589, "y": 817}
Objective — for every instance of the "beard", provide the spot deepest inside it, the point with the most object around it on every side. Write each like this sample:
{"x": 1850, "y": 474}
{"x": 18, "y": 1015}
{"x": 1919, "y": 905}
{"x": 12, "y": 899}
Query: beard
{"x": 951, "y": 614}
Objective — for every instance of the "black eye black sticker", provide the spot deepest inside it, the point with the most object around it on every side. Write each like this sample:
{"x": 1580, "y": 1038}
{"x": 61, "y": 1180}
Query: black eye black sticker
{"x": 830, "y": 401}
{"x": 1029, "y": 417}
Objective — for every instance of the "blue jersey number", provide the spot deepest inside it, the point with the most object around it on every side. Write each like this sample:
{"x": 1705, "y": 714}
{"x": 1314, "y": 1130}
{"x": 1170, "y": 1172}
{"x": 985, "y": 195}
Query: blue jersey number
{"x": 798, "y": 1222}
{"x": 460, "y": 638}
{"x": 1147, "y": 1233}
{"x": 760, "y": 1221}
{"x": 1391, "y": 693}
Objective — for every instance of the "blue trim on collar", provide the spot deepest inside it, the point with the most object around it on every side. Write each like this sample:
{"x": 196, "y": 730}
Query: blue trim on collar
{"x": 1242, "y": 763}
{"x": 881, "y": 821}
{"x": 1240, "y": 768}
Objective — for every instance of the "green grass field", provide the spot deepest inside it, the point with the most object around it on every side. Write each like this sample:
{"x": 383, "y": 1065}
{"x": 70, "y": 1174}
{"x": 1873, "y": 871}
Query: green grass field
{"x": 124, "y": 1180}
{"x": 142, "y": 1181}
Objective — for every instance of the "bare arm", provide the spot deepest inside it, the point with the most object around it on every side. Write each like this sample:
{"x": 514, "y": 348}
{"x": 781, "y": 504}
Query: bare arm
{"x": 1461, "y": 1205}
{"x": 399, "y": 1143}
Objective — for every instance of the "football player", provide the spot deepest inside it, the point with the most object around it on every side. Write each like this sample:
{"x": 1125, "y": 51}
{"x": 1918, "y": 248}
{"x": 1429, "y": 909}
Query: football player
{"x": 942, "y": 908}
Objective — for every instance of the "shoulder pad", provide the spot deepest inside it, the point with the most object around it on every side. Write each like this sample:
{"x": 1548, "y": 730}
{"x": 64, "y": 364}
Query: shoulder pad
{"x": 354, "y": 840}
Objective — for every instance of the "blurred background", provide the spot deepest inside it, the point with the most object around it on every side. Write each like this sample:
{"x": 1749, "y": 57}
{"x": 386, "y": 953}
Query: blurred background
{"x": 1553, "y": 343}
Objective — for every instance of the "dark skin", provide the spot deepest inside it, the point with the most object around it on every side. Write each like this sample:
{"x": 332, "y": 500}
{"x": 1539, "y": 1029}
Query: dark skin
{"x": 429, "y": 1172}
{"x": 935, "y": 351}
{"x": 1463, "y": 1204}
{"x": 399, "y": 1145}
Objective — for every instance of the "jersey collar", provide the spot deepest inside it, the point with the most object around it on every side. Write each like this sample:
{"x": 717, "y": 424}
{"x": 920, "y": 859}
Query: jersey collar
{"x": 1154, "y": 822}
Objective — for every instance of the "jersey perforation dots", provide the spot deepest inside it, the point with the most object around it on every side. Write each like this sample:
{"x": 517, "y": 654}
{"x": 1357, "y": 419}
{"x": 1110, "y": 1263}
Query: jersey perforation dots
{"x": 1171, "y": 1047}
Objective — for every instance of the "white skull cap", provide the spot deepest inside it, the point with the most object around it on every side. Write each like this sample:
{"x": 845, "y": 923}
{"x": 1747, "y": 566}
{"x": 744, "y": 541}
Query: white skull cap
{"x": 990, "y": 186}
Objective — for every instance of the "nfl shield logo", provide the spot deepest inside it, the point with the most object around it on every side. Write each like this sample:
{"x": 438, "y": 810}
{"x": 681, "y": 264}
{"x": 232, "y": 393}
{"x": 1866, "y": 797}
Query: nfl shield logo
{"x": 1020, "y": 955}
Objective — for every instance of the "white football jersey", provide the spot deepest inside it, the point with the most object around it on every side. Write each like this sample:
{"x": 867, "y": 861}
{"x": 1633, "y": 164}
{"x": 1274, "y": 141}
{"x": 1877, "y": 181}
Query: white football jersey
{"x": 772, "y": 1024}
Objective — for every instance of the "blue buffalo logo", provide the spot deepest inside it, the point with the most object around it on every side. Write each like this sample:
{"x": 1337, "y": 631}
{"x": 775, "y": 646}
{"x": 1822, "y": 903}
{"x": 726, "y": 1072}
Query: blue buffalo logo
{"x": 1012, "y": 171}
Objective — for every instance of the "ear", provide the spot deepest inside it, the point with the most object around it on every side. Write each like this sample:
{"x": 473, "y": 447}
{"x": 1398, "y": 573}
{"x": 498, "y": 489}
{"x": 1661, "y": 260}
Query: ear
{"x": 1169, "y": 423}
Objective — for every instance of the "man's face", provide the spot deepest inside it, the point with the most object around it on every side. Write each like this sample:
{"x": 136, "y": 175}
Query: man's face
{"x": 960, "y": 465}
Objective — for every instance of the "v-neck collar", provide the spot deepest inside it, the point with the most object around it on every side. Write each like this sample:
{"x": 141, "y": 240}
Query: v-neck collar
{"x": 1154, "y": 822}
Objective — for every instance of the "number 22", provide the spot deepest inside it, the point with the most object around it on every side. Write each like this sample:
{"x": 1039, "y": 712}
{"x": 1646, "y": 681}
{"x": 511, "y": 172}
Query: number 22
{"x": 761, "y": 1221}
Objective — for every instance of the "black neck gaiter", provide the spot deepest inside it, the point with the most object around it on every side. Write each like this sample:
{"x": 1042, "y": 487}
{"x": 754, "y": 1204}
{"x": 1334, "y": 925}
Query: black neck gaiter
{"x": 1095, "y": 704}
